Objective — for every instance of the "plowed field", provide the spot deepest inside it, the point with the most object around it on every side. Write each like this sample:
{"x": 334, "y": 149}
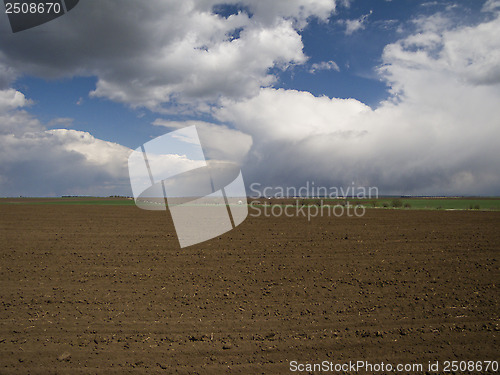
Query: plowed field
{"x": 106, "y": 289}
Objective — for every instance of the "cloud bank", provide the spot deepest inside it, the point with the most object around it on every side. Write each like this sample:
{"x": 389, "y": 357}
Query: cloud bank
{"x": 437, "y": 134}
{"x": 40, "y": 162}
{"x": 160, "y": 53}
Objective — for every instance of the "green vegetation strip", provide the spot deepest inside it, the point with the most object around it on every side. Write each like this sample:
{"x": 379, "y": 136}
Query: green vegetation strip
{"x": 386, "y": 202}
{"x": 442, "y": 203}
{"x": 418, "y": 203}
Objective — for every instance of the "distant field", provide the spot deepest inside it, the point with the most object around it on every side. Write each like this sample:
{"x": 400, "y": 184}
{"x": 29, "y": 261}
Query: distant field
{"x": 92, "y": 201}
{"x": 445, "y": 203}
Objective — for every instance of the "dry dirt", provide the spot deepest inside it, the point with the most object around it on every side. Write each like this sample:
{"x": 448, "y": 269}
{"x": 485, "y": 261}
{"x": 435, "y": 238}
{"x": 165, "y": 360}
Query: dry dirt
{"x": 106, "y": 289}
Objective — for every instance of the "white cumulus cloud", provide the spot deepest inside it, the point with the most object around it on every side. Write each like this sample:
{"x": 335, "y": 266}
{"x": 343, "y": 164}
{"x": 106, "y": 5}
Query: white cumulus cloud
{"x": 324, "y": 65}
{"x": 156, "y": 53}
{"x": 351, "y": 26}
{"x": 437, "y": 134}
{"x": 36, "y": 161}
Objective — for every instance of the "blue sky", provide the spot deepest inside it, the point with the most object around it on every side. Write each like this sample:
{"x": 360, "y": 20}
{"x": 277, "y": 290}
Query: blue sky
{"x": 68, "y": 98}
{"x": 350, "y": 72}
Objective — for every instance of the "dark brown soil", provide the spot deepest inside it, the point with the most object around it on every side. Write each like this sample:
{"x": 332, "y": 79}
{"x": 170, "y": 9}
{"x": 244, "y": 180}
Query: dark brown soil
{"x": 106, "y": 289}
